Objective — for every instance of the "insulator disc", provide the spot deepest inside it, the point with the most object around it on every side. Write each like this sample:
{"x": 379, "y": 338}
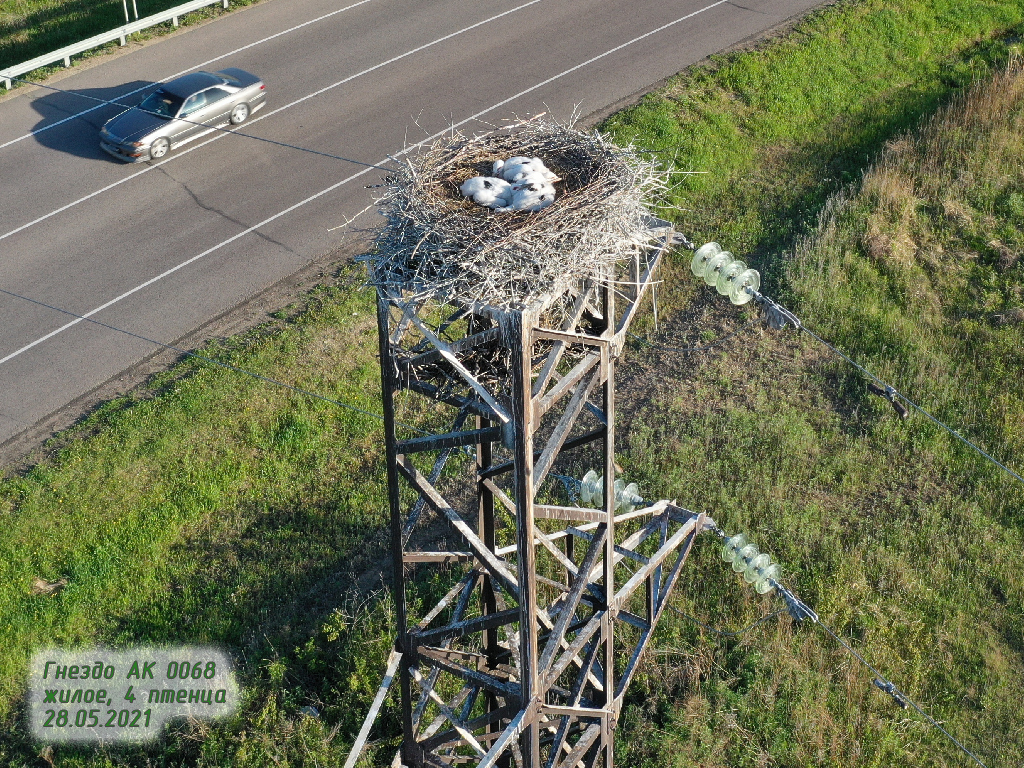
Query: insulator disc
{"x": 743, "y": 557}
{"x": 738, "y": 293}
{"x": 714, "y": 266}
{"x": 632, "y": 493}
{"x": 591, "y": 488}
{"x": 701, "y": 256}
{"x": 733, "y": 545}
{"x": 727, "y": 274}
{"x": 755, "y": 566}
{"x": 764, "y": 584}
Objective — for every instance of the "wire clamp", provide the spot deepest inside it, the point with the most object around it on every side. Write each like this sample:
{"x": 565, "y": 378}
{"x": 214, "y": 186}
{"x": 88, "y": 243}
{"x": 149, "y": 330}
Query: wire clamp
{"x": 892, "y": 690}
{"x": 777, "y": 316}
{"x": 890, "y": 394}
{"x": 797, "y": 608}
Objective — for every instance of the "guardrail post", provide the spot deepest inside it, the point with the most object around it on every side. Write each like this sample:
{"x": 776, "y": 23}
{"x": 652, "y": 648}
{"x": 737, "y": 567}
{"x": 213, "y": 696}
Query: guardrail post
{"x": 225, "y": 3}
{"x": 174, "y": 21}
{"x": 7, "y": 84}
{"x": 67, "y": 61}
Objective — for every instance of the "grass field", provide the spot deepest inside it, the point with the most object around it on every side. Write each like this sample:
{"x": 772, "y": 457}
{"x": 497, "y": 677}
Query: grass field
{"x": 868, "y": 163}
{"x": 30, "y": 28}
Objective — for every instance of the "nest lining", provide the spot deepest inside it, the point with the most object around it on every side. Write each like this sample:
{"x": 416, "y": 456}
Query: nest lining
{"x": 437, "y": 245}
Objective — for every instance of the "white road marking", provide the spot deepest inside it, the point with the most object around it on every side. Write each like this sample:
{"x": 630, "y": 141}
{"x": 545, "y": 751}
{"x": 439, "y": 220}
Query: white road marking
{"x": 354, "y": 176}
{"x": 301, "y": 99}
{"x": 47, "y": 127}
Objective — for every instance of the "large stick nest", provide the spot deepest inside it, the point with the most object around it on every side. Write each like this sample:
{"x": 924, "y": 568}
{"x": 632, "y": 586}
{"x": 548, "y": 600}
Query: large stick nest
{"x": 438, "y": 245}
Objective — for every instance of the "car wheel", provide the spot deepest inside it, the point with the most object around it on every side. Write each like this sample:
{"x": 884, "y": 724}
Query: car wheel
{"x": 239, "y": 114}
{"x": 159, "y": 148}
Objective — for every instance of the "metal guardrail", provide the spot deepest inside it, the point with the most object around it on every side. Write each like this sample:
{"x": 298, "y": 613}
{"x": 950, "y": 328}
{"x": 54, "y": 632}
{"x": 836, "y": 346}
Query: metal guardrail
{"x": 119, "y": 33}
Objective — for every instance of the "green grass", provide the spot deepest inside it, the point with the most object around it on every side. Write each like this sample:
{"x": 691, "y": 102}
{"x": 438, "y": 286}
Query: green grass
{"x": 213, "y": 508}
{"x": 31, "y": 28}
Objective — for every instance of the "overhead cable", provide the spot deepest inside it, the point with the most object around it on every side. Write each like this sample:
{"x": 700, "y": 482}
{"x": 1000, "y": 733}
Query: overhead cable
{"x": 799, "y": 610}
{"x": 210, "y": 127}
{"x": 758, "y": 570}
{"x": 205, "y": 359}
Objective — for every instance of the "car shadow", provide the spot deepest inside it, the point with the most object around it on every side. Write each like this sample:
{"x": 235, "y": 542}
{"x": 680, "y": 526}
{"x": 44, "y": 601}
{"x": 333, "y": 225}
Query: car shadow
{"x": 71, "y": 119}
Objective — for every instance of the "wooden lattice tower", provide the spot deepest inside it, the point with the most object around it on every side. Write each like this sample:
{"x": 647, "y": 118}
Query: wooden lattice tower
{"x": 517, "y": 664}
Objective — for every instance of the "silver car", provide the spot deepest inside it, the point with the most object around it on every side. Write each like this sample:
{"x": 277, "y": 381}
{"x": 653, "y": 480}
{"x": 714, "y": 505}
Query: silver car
{"x": 181, "y": 110}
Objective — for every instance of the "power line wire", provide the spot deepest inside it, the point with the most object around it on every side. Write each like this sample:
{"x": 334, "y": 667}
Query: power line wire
{"x": 778, "y": 316}
{"x": 800, "y": 611}
{"x": 205, "y": 125}
{"x": 228, "y": 366}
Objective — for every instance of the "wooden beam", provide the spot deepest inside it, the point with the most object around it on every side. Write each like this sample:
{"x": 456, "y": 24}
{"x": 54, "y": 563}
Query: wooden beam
{"x": 364, "y": 732}
{"x": 510, "y": 691}
{"x": 462, "y": 628}
{"x": 573, "y": 598}
{"x": 450, "y": 440}
{"x": 461, "y": 345}
{"x": 569, "y": 513}
{"x": 576, "y": 442}
{"x": 447, "y": 354}
{"x": 561, "y": 431}
{"x": 558, "y": 348}
{"x": 544, "y": 403}
{"x": 438, "y": 504}
{"x": 436, "y": 557}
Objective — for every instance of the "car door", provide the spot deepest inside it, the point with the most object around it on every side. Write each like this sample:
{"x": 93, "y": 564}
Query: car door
{"x": 219, "y": 102}
{"x": 190, "y": 118}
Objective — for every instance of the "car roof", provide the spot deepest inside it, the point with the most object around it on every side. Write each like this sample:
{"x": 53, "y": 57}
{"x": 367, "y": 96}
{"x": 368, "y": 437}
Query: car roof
{"x": 189, "y": 84}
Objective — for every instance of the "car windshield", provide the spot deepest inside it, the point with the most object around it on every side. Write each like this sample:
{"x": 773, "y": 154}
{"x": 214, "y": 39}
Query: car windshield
{"x": 161, "y": 103}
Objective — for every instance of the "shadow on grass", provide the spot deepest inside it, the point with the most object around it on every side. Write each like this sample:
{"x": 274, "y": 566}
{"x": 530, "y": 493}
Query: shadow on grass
{"x": 261, "y": 579}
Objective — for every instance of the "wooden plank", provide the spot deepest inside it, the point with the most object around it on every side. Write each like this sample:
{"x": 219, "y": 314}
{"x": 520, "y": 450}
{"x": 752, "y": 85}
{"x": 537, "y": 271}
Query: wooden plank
{"x": 435, "y": 472}
{"x": 507, "y": 738}
{"x": 568, "y": 513}
{"x": 637, "y": 578}
{"x": 448, "y": 355}
{"x": 586, "y": 742}
{"x": 497, "y": 715}
{"x": 569, "y": 337}
{"x": 645, "y": 282}
{"x": 450, "y": 440}
{"x": 581, "y": 639}
{"x": 452, "y": 717}
{"x": 387, "y": 372}
{"x": 553, "y": 710}
{"x": 619, "y": 549}
{"x": 500, "y": 495}
{"x": 434, "y": 393}
{"x": 378, "y": 700}
{"x": 666, "y": 591}
{"x": 438, "y": 504}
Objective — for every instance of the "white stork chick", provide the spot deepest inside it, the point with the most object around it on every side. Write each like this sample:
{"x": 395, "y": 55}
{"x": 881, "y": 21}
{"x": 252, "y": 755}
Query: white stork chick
{"x": 519, "y": 168}
{"x": 533, "y": 194}
{"x": 487, "y": 191}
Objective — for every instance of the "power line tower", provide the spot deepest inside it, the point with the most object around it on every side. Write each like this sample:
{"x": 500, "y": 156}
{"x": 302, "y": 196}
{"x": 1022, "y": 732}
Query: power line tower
{"x": 518, "y": 663}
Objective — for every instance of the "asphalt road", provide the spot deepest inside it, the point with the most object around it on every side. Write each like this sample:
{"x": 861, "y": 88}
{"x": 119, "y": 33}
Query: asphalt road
{"x": 159, "y": 249}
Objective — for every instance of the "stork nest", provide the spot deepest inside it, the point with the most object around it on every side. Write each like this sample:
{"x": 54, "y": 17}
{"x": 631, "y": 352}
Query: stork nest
{"x": 440, "y": 246}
